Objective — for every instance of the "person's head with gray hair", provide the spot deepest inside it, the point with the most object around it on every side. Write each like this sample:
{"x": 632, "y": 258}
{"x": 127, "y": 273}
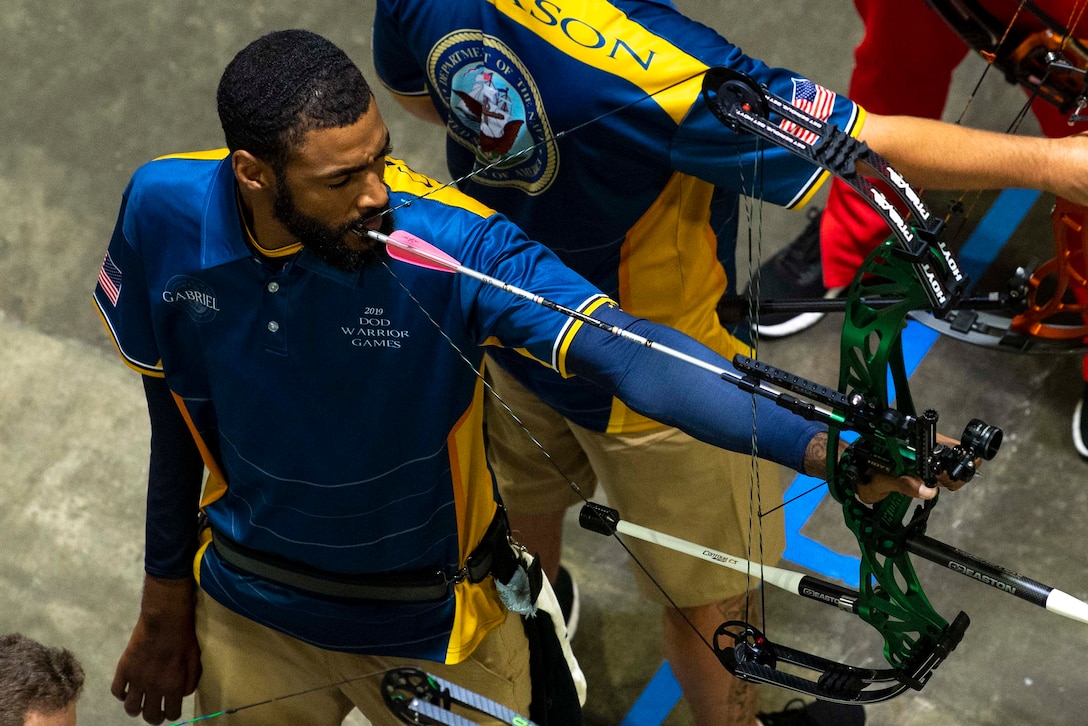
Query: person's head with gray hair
{"x": 39, "y": 686}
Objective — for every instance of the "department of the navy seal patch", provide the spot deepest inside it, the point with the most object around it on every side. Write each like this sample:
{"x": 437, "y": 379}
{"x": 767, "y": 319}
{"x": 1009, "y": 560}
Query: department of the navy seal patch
{"x": 494, "y": 110}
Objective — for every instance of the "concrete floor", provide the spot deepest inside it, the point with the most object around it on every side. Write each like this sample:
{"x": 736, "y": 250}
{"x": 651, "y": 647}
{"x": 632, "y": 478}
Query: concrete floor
{"x": 92, "y": 90}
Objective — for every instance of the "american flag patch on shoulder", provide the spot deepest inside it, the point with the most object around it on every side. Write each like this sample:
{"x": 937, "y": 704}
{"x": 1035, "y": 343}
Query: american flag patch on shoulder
{"x": 813, "y": 99}
{"x": 109, "y": 279}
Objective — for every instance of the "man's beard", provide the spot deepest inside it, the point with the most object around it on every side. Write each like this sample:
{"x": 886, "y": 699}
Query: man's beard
{"x": 327, "y": 242}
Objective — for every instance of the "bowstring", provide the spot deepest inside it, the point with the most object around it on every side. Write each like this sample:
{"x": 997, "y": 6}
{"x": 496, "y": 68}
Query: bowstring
{"x": 1075, "y": 15}
{"x": 275, "y": 699}
{"x": 752, "y": 206}
{"x": 986, "y": 69}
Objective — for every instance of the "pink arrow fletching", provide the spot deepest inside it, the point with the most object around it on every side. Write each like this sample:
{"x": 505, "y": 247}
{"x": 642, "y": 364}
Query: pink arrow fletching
{"x": 408, "y": 248}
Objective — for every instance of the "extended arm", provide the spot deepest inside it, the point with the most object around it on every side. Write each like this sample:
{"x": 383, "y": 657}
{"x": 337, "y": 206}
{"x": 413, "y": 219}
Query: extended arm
{"x": 939, "y": 155}
{"x": 702, "y": 405}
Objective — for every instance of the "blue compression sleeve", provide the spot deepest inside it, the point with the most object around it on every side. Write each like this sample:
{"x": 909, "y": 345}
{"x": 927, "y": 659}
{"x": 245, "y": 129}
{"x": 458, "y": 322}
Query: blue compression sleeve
{"x": 689, "y": 398}
{"x": 173, "y": 487}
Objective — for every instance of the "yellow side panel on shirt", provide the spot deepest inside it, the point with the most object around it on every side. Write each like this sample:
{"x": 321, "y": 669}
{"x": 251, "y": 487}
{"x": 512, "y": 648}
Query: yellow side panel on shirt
{"x": 209, "y": 155}
{"x": 479, "y": 610}
{"x": 669, "y": 273}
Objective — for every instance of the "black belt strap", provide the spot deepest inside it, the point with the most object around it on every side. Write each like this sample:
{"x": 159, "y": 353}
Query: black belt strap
{"x": 492, "y": 556}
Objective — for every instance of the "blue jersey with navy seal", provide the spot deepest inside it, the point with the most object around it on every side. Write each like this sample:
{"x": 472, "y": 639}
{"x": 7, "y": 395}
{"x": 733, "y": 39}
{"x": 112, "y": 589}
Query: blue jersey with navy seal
{"x": 340, "y": 427}
{"x": 584, "y": 123}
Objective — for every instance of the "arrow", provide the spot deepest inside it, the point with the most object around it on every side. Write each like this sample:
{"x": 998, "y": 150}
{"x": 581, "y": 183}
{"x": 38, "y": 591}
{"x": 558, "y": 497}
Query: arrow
{"x": 605, "y": 520}
{"x": 412, "y": 250}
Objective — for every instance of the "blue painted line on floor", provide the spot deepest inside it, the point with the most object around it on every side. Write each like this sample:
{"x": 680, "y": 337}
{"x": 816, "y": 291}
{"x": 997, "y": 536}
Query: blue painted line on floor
{"x": 662, "y": 693}
{"x": 659, "y": 697}
{"x": 994, "y": 230}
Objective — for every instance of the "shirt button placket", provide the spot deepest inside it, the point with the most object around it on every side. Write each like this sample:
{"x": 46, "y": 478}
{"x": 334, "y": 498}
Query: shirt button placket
{"x": 275, "y": 307}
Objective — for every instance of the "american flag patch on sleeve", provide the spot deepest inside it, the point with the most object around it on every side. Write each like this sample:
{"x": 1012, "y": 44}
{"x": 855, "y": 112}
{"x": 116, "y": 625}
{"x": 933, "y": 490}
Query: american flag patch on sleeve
{"x": 109, "y": 279}
{"x": 813, "y": 99}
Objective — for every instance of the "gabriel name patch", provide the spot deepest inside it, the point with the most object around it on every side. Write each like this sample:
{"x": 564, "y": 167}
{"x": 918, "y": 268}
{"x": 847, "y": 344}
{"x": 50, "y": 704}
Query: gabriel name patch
{"x": 192, "y": 295}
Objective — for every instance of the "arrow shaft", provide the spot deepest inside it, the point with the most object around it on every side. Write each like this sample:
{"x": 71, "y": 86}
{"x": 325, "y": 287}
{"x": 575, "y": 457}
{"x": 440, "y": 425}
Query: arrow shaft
{"x": 788, "y": 580}
{"x": 999, "y": 578}
{"x": 412, "y": 250}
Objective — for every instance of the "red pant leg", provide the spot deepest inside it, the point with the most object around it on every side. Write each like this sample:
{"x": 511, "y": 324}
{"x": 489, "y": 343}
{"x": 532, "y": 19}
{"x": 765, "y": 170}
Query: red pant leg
{"x": 903, "y": 66}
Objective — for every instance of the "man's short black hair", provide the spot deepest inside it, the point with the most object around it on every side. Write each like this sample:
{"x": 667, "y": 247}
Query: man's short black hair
{"x": 283, "y": 85}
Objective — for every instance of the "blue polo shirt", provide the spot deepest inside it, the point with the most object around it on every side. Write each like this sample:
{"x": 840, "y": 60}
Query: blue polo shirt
{"x": 339, "y": 414}
{"x": 585, "y": 126}
{"x": 340, "y": 427}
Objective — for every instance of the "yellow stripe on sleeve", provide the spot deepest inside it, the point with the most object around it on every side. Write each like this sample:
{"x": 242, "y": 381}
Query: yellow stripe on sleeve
{"x": 571, "y": 330}
{"x": 400, "y": 178}
{"x": 209, "y": 155}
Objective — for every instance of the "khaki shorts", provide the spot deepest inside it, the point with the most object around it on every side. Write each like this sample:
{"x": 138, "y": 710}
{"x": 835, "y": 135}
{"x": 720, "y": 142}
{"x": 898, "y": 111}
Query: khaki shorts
{"x": 246, "y": 663}
{"x": 662, "y": 479}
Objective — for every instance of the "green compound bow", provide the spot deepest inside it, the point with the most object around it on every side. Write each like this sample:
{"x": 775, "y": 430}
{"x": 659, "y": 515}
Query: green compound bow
{"x": 912, "y": 270}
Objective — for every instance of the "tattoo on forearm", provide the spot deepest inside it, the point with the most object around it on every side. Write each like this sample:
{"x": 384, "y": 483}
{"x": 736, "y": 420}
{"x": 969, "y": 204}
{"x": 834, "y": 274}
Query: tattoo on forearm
{"x": 815, "y": 463}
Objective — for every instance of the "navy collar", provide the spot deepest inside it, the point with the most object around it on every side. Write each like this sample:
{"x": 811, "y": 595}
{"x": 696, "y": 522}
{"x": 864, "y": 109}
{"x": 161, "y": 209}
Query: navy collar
{"x": 222, "y": 238}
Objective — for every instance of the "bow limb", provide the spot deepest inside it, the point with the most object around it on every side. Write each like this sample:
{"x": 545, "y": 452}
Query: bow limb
{"x": 1041, "y": 53}
{"x": 275, "y": 699}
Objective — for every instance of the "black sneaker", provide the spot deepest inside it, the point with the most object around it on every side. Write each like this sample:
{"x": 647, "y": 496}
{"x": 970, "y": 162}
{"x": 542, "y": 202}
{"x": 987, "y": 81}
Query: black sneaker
{"x": 566, "y": 592}
{"x": 1080, "y": 426}
{"x": 795, "y": 272}
{"x": 817, "y": 713}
